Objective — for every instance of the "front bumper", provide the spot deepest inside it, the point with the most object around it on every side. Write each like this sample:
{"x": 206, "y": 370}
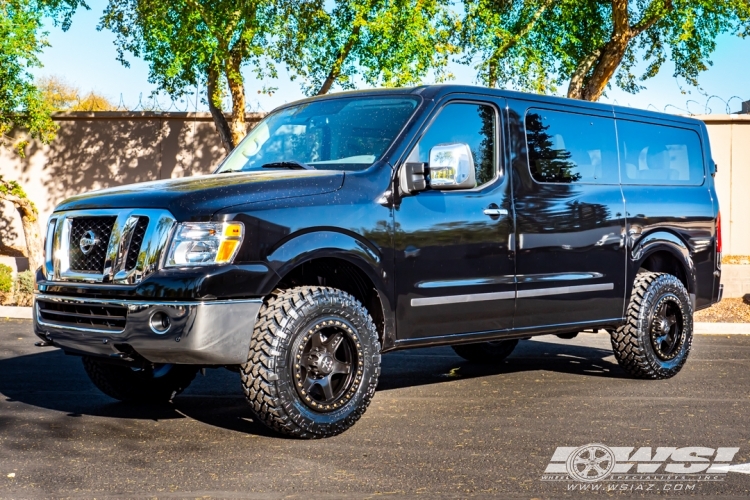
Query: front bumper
{"x": 207, "y": 333}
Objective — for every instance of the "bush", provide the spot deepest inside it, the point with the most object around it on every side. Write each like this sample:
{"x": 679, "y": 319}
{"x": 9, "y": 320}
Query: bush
{"x": 25, "y": 288}
{"x": 6, "y": 278}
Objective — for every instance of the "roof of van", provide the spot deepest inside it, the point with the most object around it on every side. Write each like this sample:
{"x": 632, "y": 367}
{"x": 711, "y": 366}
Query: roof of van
{"x": 434, "y": 92}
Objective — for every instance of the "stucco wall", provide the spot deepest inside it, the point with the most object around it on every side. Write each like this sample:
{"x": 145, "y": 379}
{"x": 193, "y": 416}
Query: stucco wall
{"x": 730, "y": 147}
{"x": 100, "y": 150}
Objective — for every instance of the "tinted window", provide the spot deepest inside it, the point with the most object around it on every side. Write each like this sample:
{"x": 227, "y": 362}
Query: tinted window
{"x": 472, "y": 124}
{"x": 327, "y": 134}
{"x": 568, "y": 147}
{"x": 657, "y": 154}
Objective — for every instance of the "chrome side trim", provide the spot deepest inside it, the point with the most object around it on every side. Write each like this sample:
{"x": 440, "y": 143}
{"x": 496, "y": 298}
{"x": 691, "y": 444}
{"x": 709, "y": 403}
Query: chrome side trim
{"x": 562, "y": 290}
{"x": 521, "y": 294}
{"x": 495, "y": 280}
{"x": 150, "y": 256}
{"x": 456, "y": 299}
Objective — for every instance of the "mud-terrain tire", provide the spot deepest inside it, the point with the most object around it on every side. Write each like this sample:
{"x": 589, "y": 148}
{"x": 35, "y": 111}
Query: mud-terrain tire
{"x": 655, "y": 340}
{"x": 486, "y": 353}
{"x": 139, "y": 386}
{"x": 314, "y": 362}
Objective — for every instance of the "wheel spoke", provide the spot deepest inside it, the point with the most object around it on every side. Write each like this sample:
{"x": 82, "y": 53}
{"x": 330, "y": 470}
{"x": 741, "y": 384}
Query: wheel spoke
{"x": 308, "y": 384}
{"x": 316, "y": 341}
{"x": 341, "y": 367}
{"x": 334, "y": 341}
{"x": 325, "y": 385}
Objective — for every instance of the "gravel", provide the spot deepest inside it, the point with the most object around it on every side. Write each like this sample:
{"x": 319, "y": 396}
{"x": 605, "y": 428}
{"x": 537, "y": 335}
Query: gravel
{"x": 726, "y": 311}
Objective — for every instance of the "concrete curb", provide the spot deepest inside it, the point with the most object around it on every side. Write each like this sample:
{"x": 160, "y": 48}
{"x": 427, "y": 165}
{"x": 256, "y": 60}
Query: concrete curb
{"x": 699, "y": 328}
{"x": 15, "y": 312}
{"x": 721, "y": 328}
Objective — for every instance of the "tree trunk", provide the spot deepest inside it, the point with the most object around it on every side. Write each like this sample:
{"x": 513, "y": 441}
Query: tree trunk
{"x": 588, "y": 84}
{"x": 335, "y": 71}
{"x": 214, "y": 105}
{"x": 237, "y": 126}
{"x": 11, "y": 191}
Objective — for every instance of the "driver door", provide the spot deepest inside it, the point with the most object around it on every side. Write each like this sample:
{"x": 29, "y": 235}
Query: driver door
{"x": 455, "y": 271}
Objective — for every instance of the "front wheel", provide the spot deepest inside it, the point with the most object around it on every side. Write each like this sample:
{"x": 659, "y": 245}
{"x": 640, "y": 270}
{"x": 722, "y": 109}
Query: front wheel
{"x": 314, "y": 362}
{"x": 655, "y": 341}
{"x": 152, "y": 384}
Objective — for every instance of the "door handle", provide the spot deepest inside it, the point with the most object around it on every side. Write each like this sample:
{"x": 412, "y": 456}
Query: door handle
{"x": 495, "y": 211}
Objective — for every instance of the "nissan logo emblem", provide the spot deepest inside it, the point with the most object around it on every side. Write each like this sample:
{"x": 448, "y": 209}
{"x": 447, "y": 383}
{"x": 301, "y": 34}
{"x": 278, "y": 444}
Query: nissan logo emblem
{"x": 88, "y": 242}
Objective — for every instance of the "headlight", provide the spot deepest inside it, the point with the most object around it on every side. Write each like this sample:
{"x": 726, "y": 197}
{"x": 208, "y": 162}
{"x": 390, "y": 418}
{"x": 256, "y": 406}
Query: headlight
{"x": 205, "y": 243}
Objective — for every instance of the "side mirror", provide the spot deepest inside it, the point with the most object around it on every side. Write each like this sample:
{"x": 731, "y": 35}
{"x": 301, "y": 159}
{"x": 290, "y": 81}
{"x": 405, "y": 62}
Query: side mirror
{"x": 452, "y": 167}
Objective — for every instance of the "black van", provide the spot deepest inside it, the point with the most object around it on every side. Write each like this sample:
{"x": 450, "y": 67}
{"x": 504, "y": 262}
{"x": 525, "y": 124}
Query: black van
{"x": 351, "y": 225}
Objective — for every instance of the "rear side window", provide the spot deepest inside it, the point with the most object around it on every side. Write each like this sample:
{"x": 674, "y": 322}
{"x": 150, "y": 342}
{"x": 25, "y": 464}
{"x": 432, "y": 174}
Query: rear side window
{"x": 659, "y": 155}
{"x": 571, "y": 148}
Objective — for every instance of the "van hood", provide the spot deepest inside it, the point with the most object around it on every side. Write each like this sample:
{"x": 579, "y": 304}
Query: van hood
{"x": 193, "y": 198}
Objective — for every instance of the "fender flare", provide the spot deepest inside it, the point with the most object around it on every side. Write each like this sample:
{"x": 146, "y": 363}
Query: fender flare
{"x": 669, "y": 242}
{"x": 349, "y": 247}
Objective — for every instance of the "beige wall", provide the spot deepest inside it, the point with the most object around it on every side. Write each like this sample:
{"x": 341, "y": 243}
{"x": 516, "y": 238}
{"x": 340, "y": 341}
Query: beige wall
{"x": 100, "y": 150}
{"x": 730, "y": 147}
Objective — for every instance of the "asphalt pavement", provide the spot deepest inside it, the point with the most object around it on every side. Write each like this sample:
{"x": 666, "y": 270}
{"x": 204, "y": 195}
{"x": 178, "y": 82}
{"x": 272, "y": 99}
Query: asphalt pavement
{"x": 438, "y": 427}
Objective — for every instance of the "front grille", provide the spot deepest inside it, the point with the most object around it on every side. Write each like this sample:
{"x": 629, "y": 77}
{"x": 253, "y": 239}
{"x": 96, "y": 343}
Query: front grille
{"x": 83, "y": 315}
{"x": 135, "y": 243}
{"x": 93, "y": 261}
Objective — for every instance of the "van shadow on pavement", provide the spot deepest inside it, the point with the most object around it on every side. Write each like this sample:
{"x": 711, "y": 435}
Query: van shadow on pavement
{"x": 50, "y": 379}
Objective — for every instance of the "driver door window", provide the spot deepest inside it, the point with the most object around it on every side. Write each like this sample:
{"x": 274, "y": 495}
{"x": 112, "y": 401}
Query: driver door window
{"x": 472, "y": 124}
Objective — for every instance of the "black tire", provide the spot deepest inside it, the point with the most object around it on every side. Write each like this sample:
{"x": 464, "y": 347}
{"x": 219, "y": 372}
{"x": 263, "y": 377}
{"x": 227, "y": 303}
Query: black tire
{"x": 139, "y": 386}
{"x": 486, "y": 352}
{"x": 655, "y": 340}
{"x": 292, "y": 347}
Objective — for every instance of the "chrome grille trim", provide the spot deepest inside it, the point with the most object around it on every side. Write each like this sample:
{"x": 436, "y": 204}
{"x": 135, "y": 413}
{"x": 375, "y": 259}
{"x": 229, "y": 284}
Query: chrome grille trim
{"x": 116, "y": 269}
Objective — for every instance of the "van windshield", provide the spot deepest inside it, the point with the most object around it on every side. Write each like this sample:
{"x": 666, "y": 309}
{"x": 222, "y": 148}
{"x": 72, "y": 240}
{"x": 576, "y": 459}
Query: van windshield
{"x": 333, "y": 134}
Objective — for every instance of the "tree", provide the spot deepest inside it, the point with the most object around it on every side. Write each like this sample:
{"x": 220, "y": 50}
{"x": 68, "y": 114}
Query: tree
{"x": 383, "y": 42}
{"x": 496, "y": 36}
{"x": 196, "y": 42}
{"x": 21, "y": 41}
{"x": 597, "y": 41}
{"x": 12, "y": 192}
{"x": 62, "y": 96}
{"x": 536, "y": 44}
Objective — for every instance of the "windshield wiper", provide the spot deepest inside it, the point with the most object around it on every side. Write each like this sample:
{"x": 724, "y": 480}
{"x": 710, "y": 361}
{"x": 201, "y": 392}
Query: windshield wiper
{"x": 291, "y": 164}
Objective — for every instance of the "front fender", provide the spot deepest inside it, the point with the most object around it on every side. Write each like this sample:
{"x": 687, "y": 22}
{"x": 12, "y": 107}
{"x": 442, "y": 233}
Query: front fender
{"x": 304, "y": 247}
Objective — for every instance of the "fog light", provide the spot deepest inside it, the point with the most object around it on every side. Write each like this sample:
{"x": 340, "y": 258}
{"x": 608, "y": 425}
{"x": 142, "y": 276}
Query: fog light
{"x": 159, "y": 323}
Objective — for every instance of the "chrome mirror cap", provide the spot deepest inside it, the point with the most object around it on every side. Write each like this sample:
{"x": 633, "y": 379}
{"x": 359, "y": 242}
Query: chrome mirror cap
{"x": 452, "y": 166}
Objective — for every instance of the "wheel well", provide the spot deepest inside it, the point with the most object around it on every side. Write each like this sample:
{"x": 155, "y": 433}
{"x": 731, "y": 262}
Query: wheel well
{"x": 338, "y": 273}
{"x": 664, "y": 262}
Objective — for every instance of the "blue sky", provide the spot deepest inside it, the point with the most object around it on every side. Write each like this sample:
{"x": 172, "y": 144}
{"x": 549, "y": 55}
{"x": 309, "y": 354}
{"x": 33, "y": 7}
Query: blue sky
{"x": 86, "y": 58}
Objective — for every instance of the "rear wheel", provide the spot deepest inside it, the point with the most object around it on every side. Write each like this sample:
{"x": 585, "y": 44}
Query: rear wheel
{"x": 157, "y": 383}
{"x": 655, "y": 340}
{"x": 314, "y": 362}
{"x": 486, "y": 352}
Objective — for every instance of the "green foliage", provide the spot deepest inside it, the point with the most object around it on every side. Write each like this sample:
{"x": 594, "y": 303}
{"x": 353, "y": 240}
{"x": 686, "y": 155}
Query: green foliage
{"x": 24, "y": 290}
{"x": 182, "y": 39}
{"x": 540, "y": 44}
{"x": 6, "y": 278}
{"x": 21, "y": 41}
{"x": 380, "y": 42}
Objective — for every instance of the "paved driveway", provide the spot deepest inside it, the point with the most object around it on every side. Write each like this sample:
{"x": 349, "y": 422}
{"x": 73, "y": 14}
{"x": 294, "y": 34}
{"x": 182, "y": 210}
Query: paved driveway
{"x": 438, "y": 426}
